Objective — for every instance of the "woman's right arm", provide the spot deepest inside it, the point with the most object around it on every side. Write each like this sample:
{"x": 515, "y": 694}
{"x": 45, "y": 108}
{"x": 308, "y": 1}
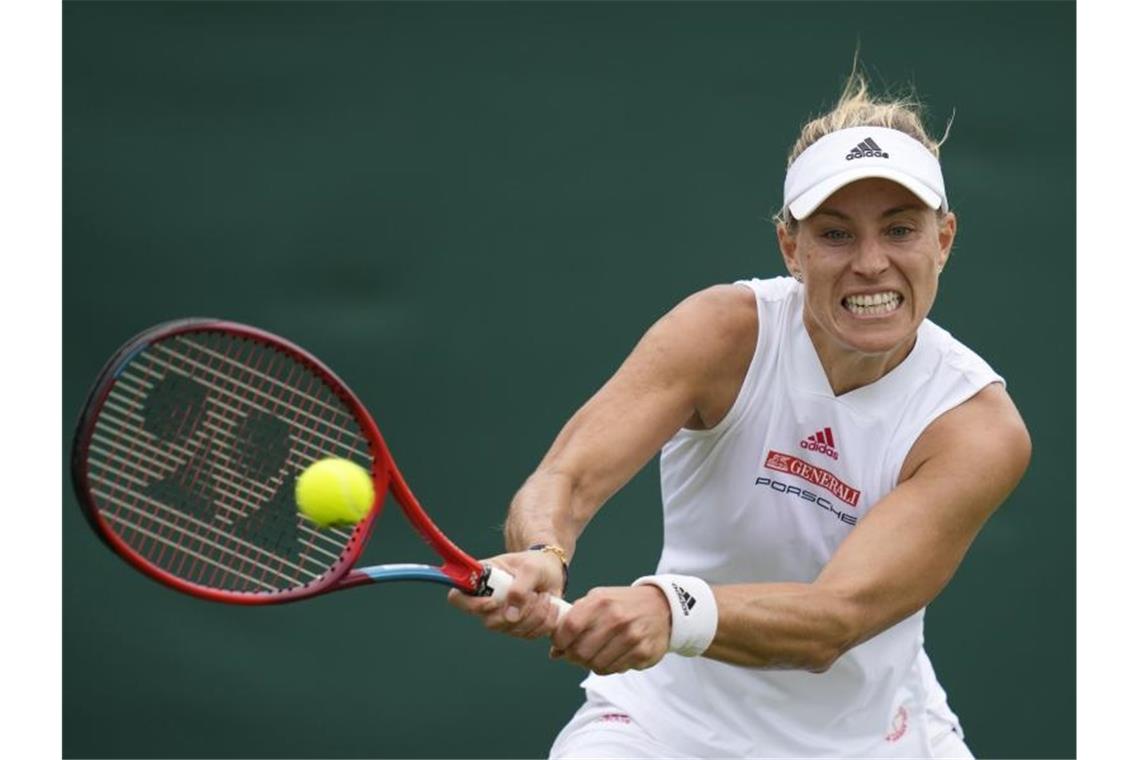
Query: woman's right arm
{"x": 685, "y": 372}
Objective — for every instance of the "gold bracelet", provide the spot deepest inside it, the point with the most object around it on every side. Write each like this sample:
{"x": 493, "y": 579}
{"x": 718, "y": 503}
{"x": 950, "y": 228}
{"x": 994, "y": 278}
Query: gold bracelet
{"x": 554, "y": 549}
{"x": 559, "y": 552}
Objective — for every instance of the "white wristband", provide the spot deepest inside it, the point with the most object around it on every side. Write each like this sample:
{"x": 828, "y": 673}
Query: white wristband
{"x": 693, "y": 606}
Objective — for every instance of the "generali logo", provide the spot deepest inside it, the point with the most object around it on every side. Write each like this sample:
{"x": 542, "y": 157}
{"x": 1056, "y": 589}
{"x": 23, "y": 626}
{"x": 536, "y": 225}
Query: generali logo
{"x": 821, "y": 441}
{"x": 814, "y": 475}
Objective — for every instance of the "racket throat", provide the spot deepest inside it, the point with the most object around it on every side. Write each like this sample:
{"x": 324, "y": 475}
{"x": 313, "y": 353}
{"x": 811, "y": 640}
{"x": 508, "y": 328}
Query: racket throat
{"x": 466, "y": 578}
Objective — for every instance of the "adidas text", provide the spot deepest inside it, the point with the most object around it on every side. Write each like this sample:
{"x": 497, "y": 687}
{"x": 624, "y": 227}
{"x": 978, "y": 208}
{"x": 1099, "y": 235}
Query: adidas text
{"x": 822, "y": 448}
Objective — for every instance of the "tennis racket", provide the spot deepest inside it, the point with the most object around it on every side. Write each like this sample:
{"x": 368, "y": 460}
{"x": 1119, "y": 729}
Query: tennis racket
{"x": 186, "y": 455}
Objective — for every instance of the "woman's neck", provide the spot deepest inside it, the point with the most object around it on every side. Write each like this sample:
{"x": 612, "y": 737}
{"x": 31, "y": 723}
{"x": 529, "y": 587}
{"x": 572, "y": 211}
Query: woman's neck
{"x": 847, "y": 368}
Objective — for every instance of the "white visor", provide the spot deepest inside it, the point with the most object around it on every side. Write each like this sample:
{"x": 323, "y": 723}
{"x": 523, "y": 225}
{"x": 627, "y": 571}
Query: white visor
{"x": 843, "y": 157}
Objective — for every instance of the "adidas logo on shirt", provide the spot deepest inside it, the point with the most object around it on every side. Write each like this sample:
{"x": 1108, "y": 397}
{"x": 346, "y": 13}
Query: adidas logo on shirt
{"x": 867, "y": 149}
{"x": 687, "y": 600}
{"x": 823, "y": 442}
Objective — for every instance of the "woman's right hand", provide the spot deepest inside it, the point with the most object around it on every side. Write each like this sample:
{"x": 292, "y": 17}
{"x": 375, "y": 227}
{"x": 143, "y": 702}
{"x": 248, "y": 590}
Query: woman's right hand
{"x": 528, "y": 611}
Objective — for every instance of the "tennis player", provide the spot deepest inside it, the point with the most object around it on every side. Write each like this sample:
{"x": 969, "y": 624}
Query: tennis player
{"x": 827, "y": 457}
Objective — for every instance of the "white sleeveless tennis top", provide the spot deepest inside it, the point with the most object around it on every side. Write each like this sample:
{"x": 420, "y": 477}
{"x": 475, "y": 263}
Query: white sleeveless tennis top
{"x": 767, "y": 496}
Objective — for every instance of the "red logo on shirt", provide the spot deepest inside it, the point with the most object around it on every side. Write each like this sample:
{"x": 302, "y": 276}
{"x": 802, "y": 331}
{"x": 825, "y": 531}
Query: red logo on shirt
{"x": 812, "y": 474}
{"x": 821, "y": 441}
{"x": 898, "y": 726}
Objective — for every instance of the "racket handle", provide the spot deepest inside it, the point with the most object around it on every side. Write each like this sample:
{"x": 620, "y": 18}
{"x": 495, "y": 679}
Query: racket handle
{"x": 499, "y": 581}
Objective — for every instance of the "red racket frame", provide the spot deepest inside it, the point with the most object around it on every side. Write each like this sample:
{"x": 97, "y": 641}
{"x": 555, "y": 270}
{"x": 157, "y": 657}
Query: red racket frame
{"x": 465, "y": 571}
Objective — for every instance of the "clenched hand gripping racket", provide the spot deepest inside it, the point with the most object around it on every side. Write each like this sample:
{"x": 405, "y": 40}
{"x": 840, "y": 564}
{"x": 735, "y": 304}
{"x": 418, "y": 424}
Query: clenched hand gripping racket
{"x": 186, "y": 454}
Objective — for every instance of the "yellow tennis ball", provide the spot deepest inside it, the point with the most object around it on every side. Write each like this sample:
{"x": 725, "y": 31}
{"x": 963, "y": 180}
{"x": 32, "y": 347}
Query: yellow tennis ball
{"x": 334, "y": 492}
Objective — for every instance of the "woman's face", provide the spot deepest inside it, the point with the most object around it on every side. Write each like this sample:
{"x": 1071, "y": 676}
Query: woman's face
{"x": 869, "y": 257}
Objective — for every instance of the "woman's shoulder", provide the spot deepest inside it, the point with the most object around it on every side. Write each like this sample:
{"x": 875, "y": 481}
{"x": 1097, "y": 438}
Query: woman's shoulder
{"x": 771, "y": 288}
{"x": 951, "y": 352}
{"x": 721, "y": 316}
{"x": 731, "y": 322}
{"x": 723, "y": 326}
{"x": 736, "y": 310}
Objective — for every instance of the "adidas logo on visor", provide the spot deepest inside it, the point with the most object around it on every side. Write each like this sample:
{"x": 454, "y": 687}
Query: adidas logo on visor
{"x": 867, "y": 149}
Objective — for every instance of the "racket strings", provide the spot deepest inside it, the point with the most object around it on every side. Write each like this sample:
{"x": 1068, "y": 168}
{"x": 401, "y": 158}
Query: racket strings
{"x": 194, "y": 456}
{"x": 189, "y": 484}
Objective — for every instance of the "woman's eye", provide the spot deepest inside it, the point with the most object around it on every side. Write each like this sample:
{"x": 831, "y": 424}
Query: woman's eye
{"x": 899, "y": 231}
{"x": 835, "y": 235}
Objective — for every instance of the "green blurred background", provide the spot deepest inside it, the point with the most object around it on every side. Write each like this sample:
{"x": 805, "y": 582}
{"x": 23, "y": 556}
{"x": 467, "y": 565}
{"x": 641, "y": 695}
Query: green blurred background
{"x": 472, "y": 211}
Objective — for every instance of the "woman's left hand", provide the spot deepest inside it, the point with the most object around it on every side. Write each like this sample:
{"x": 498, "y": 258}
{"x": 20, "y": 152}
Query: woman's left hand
{"x": 611, "y": 630}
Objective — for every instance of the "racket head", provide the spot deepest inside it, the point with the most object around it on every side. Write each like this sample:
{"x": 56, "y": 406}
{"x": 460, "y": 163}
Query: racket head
{"x": 186, "y": 453}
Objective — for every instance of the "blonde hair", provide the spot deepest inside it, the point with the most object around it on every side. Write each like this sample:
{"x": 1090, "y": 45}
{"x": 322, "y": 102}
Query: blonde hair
{"x": 857, "y": 107}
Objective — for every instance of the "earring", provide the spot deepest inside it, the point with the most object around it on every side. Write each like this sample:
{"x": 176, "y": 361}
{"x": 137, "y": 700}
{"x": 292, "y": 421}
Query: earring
{"x": 800, "y": 277}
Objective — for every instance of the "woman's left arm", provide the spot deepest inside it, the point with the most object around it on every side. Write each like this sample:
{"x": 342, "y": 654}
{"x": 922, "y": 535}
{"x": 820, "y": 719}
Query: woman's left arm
{"x": 900, "y": 555}
{"x": 895, "y": 561}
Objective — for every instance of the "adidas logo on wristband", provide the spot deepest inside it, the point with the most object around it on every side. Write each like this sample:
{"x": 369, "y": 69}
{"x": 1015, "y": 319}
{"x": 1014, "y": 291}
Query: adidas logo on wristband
{"x": 687, "y": 600}
{"x": 693, "y": 609}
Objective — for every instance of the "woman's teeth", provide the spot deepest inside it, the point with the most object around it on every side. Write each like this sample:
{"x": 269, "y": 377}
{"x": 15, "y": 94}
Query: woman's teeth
{"x": 872, "y": 304}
